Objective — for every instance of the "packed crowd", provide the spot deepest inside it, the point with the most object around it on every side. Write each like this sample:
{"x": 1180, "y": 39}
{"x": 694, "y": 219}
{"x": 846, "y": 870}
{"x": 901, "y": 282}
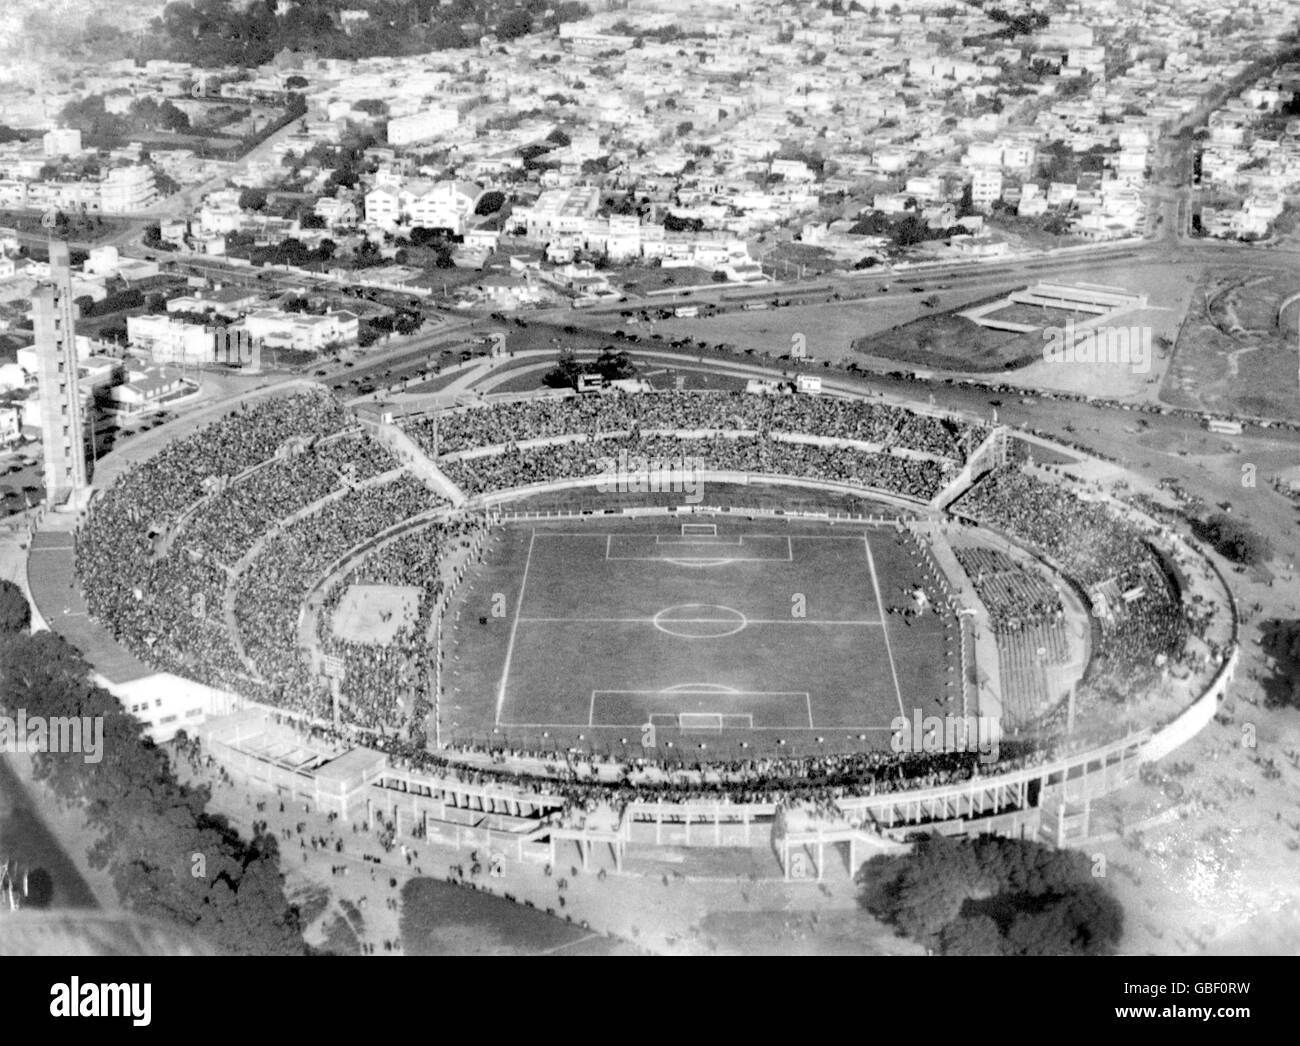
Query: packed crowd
{"x": 1092, "y": 544}
{"x": 1015, "y": 597}
{"x": 166, "y": 608}
{"x": 811, "y": 779}
{"x": 517, "y": 467}
{"x": 386, "y": 684}
{"x": 295, "y": 558}
{"x": 825, "y": 416}
{"x": 230, "y": 522}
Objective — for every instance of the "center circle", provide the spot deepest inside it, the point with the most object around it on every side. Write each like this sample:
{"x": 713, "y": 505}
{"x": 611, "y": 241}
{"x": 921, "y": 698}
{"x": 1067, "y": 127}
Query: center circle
{"x": 700, "y": 621}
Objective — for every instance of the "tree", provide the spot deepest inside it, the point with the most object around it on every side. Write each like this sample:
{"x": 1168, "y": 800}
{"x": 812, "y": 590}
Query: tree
{"x": 490, "y": 202}
{"x": 1281, "y": 642}
{"x": 515, "y": 24}
{"x": 909, "y": 231}
{"x": 145, "y": 824}
{"x": 15, "y": 612}
{"x": 252, "y": 199}
{"x": 566, "y": 373}
{"x": 615, "y": 365}
{"x": 966, "y": 206}
{"x": 991, "y": 895}
{"x": 1234, "y": 539}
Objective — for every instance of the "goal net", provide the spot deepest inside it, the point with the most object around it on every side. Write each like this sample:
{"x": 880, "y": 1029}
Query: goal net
{"x": 714, "y": 721}
{"x": 700, "y": 529}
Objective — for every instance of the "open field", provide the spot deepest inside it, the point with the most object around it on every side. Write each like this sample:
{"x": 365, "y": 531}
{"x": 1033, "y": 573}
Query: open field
{"x": 830, "y": 329}
{"x": 764, "y": 634}
{"x": 440, "y": 918}
{"x": 1231, "y": 356}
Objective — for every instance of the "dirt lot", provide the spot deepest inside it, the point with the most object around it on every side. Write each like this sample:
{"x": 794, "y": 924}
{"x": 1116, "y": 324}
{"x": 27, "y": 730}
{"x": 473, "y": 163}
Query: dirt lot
{"x": 375, "y": 613}
{"x": 1231, "y": 357}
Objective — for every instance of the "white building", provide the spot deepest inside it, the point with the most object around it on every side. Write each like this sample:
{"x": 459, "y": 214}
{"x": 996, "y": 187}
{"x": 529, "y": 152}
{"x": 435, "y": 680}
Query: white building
{"x": 447, "y": 205}
{"x": 126, "y": 190}
{"x": 170, "y": 341}
{"x": 421, "y": 127}
{"x": 62, "y": 141}
{"x": 558, "y": 212}
{"x": 103, "y": 261}
{"x": 985, "y": 187}
{"x": 301, "y": 331}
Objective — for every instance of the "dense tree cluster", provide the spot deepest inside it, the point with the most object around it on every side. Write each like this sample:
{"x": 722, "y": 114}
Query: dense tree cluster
{"x": 90, "y": 116}
{"x": 1234, "y": 539}
{"x": 992, "y": 896}
{"x": 905, "y": 230}
{"x": 220, "y": 32}
{"x": 169, "y": 858}
{"x": 15, "y": 613}
{"x": 610, "y": 365}
{"x": 1280, "y": 640}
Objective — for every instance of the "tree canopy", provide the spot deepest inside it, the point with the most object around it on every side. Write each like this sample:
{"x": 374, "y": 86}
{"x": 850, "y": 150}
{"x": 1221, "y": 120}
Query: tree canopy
{"x": 992, "y": 896}
{"x": 1234, "y": 539}
{"x": 148, "y": 825}
{"x": 15, "y": 612}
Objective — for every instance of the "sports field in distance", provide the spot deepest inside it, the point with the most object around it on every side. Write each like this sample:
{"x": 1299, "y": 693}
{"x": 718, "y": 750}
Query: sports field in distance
{"x": 757, "y": 635}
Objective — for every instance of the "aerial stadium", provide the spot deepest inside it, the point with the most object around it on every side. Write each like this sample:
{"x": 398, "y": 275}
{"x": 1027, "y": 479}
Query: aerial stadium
{"x": 810, "y": 618}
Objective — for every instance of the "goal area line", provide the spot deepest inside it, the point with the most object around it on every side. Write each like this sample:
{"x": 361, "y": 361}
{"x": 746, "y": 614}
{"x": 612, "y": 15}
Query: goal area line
{"x": 702, "y": 708}
{"x": 714, "y": 721}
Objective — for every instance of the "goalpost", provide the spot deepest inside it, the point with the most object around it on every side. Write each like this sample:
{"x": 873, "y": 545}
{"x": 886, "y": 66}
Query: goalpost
{"x": 715, "y": 721}
{"x": 700, "y": 529}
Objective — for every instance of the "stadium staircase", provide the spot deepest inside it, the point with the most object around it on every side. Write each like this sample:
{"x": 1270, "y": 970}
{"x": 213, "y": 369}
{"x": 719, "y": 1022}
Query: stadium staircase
{"x": 412, "y": 457}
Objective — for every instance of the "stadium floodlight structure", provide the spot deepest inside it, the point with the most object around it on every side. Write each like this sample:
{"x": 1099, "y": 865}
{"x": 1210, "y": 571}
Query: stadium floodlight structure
{"x": 62, "y": 431}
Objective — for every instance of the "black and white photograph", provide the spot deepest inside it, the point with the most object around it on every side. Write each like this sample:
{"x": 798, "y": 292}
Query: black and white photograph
{"x": 639, "y": 478}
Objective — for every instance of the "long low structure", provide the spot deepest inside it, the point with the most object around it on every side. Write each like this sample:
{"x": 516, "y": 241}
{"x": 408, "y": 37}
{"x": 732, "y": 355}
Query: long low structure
{"x": 1051, "y": 800}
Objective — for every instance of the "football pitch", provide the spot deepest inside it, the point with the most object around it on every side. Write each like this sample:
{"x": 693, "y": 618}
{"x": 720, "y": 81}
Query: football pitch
{"x": 764, "y": 632}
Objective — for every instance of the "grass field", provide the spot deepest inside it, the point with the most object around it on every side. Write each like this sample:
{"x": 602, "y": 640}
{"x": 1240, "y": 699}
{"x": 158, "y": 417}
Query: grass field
{"x": 439, "y": 918}
{"x": 952, "y": 342}
{"x": 769, "y": 635}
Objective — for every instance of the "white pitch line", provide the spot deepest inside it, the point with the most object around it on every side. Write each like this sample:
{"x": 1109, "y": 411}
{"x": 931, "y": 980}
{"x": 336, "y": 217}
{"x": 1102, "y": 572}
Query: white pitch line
{"x": 510, "y": 647}
{"x": 698, "y": 559}
{"x": 884, "y": 630}
{"x": 697, "y": 621}
{"x": 744, "y": 537}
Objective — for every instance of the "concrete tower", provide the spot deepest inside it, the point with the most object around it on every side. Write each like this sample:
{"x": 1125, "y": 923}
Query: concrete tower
{"x": 62, "y": 432}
